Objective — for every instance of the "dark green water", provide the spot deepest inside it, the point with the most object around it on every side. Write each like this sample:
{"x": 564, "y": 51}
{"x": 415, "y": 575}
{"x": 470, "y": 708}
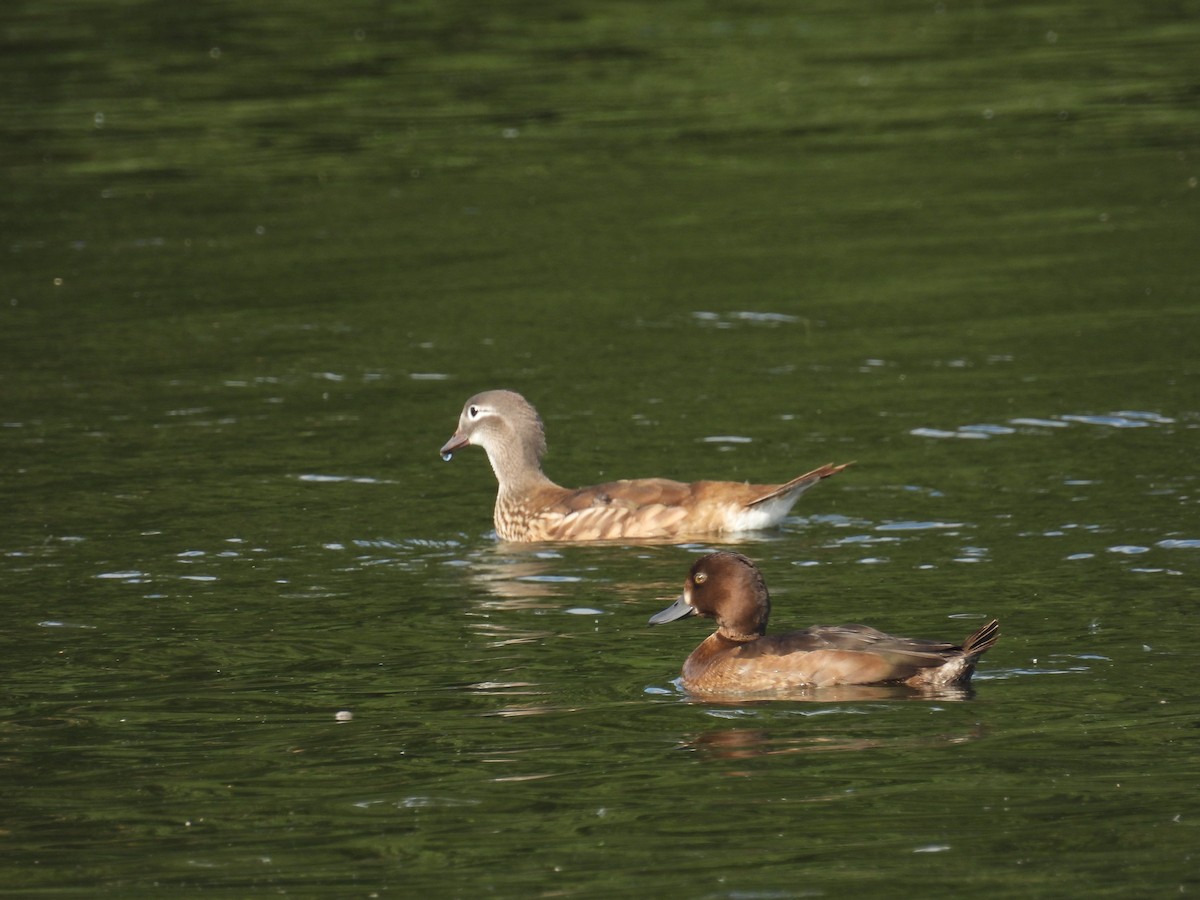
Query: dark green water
{"x": 258, "y": 639}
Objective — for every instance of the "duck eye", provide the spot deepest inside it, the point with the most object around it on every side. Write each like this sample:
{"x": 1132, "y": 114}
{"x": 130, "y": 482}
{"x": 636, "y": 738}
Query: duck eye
{"x": 473, "y": 412}
{"x": 699, "y": 578}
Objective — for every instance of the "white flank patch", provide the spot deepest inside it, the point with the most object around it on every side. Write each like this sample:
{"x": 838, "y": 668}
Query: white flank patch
{"x": 764, "y": 515}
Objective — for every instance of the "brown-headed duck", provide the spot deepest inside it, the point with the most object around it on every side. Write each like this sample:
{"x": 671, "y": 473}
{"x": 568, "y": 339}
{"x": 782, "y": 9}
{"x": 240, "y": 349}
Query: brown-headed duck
{"x": 741, "y": 658}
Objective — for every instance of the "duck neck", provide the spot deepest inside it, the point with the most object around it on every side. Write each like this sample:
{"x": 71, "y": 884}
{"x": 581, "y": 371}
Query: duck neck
{"x": 517, "y": 466}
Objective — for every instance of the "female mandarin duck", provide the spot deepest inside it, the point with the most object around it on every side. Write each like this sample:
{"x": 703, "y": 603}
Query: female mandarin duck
{"x": 740, "y": 658}
{"x": 531, "y": 507}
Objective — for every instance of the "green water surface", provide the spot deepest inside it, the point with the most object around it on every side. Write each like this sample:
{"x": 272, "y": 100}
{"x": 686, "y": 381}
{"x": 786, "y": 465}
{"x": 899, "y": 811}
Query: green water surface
{"x": 259, "y": 640}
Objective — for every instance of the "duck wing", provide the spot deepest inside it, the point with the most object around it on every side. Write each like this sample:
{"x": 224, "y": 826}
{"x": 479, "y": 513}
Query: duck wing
{"x": 849, "y": 654}
{"x": 636, "y": 508}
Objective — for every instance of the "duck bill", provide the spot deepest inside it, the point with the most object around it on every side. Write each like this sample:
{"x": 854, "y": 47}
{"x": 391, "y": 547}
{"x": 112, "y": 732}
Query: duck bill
{"x": 453, "y": 445}
{"x": 677, "y": 610}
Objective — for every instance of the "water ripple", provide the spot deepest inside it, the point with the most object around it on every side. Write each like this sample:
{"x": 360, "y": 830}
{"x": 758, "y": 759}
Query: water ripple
{"x": 940, "y": 433}
{"x": 917, "y": 526}
{"x": 987, "y": 429}
{"x": 132, "y": 576}
{"x": 863, "y": 539}
{"x": 982, "y": 431}
{"x": 1040, "y": 423}
{"x": 335, "y": 479}
{"x": 726, "y": 439}
{"x": 427, "y": 802}
{"x": 1177, "y": 544}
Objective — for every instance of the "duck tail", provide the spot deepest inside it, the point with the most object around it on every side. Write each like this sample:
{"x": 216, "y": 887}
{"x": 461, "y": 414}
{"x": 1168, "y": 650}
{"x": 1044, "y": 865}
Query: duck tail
{"x": 982, "y": 640}
{"x": 800, "y": 483}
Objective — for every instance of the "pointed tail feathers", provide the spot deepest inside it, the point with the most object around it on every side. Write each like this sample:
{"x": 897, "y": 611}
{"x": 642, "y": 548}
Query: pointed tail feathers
{"x": 800, "y": 484}
{"x": 982, "y": 640}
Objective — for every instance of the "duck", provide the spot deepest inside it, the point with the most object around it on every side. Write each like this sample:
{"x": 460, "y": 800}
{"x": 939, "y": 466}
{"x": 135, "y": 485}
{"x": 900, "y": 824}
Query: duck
{"x": 741, "y": 658}
{"x": 531, "y": 507}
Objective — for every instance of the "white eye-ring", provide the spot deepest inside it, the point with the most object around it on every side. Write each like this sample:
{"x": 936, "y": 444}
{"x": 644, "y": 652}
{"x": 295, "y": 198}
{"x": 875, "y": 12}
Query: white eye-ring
{"x": 473, "y": 412}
